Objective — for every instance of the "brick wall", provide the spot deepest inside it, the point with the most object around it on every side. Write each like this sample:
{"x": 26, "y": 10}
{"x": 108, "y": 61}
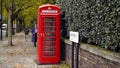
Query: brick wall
{"x": 91, "y": 56}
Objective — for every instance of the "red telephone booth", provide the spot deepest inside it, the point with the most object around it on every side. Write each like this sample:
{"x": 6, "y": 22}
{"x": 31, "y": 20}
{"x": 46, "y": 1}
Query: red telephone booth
{"x": 48, "y": 37}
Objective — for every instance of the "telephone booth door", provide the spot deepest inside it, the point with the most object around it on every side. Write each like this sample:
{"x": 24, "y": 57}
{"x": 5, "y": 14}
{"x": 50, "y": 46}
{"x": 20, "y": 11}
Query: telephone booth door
{"x": 48, "y": 46}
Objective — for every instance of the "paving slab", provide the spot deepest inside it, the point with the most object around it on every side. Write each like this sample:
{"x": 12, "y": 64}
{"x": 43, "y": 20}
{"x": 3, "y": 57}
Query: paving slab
{"x": 21, "y": 55}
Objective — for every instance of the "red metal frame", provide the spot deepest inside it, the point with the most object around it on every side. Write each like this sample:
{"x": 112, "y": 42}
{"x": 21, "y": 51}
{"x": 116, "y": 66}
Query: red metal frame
{"x": 48, "y": 36}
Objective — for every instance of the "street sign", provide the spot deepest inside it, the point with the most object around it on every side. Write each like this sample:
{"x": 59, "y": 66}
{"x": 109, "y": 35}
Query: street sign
{"x": 74, "y": 36}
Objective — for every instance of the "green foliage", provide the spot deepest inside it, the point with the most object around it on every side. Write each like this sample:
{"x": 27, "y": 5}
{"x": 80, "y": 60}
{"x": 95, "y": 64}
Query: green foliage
{"x": 98, "y": 21}
{"x": 25, "y": 10}
{"x": 63, "y": 66}
{"x": 48, "y": 1}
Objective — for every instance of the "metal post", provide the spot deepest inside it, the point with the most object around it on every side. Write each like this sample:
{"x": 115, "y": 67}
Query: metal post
{"x": 77, "y": 52}
{"x": 1, "y": 22}
{"x": 77, "y": 55}
{"x": 72, "y": 54}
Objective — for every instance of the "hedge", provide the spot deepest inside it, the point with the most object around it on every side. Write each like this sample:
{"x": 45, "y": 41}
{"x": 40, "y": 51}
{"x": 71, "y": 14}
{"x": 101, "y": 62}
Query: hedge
{"x": 97, "y": 21}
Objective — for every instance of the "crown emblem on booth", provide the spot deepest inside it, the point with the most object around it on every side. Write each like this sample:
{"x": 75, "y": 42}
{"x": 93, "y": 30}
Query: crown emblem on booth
{"x": 49, "y": 8}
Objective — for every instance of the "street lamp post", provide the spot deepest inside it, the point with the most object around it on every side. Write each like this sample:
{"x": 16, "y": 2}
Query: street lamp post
{"x": 1, "y": 22}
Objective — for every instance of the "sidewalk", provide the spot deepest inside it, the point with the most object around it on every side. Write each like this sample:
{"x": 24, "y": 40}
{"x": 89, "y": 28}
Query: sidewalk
{"x": 21, "y": 55}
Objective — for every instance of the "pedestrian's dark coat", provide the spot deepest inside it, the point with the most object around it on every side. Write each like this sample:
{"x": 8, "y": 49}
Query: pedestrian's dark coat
{"x": 34, "y": 35}
{"x": 26, "y": 31}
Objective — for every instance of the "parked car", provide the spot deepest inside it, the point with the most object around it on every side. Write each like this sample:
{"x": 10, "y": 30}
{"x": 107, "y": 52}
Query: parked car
{"x": 4, "y": 26}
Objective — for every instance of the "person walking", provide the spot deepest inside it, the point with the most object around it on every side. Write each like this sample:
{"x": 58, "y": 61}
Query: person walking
{"x": 26, "y": 31}
{"x": 34, "y": 35}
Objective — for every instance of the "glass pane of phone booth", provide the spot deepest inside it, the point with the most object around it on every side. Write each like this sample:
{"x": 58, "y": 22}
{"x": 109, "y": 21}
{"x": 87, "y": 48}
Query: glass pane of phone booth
{"x": 49, "y": 48}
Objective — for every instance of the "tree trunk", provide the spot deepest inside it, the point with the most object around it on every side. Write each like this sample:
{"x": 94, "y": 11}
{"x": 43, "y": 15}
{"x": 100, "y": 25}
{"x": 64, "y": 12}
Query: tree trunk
{"x": 13, "y": 31}
{"x": 7, "y": 30}
{"x": 17, "y": 26}
{"x": 10, "y": 27}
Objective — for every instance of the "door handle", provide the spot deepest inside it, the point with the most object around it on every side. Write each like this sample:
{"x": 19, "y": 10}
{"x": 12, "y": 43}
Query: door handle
{"x": 42, "y": 34}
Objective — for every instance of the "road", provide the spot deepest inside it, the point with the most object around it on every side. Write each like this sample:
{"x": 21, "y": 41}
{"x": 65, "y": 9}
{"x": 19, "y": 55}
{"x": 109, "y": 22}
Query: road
{"x": 3, "y": 34}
